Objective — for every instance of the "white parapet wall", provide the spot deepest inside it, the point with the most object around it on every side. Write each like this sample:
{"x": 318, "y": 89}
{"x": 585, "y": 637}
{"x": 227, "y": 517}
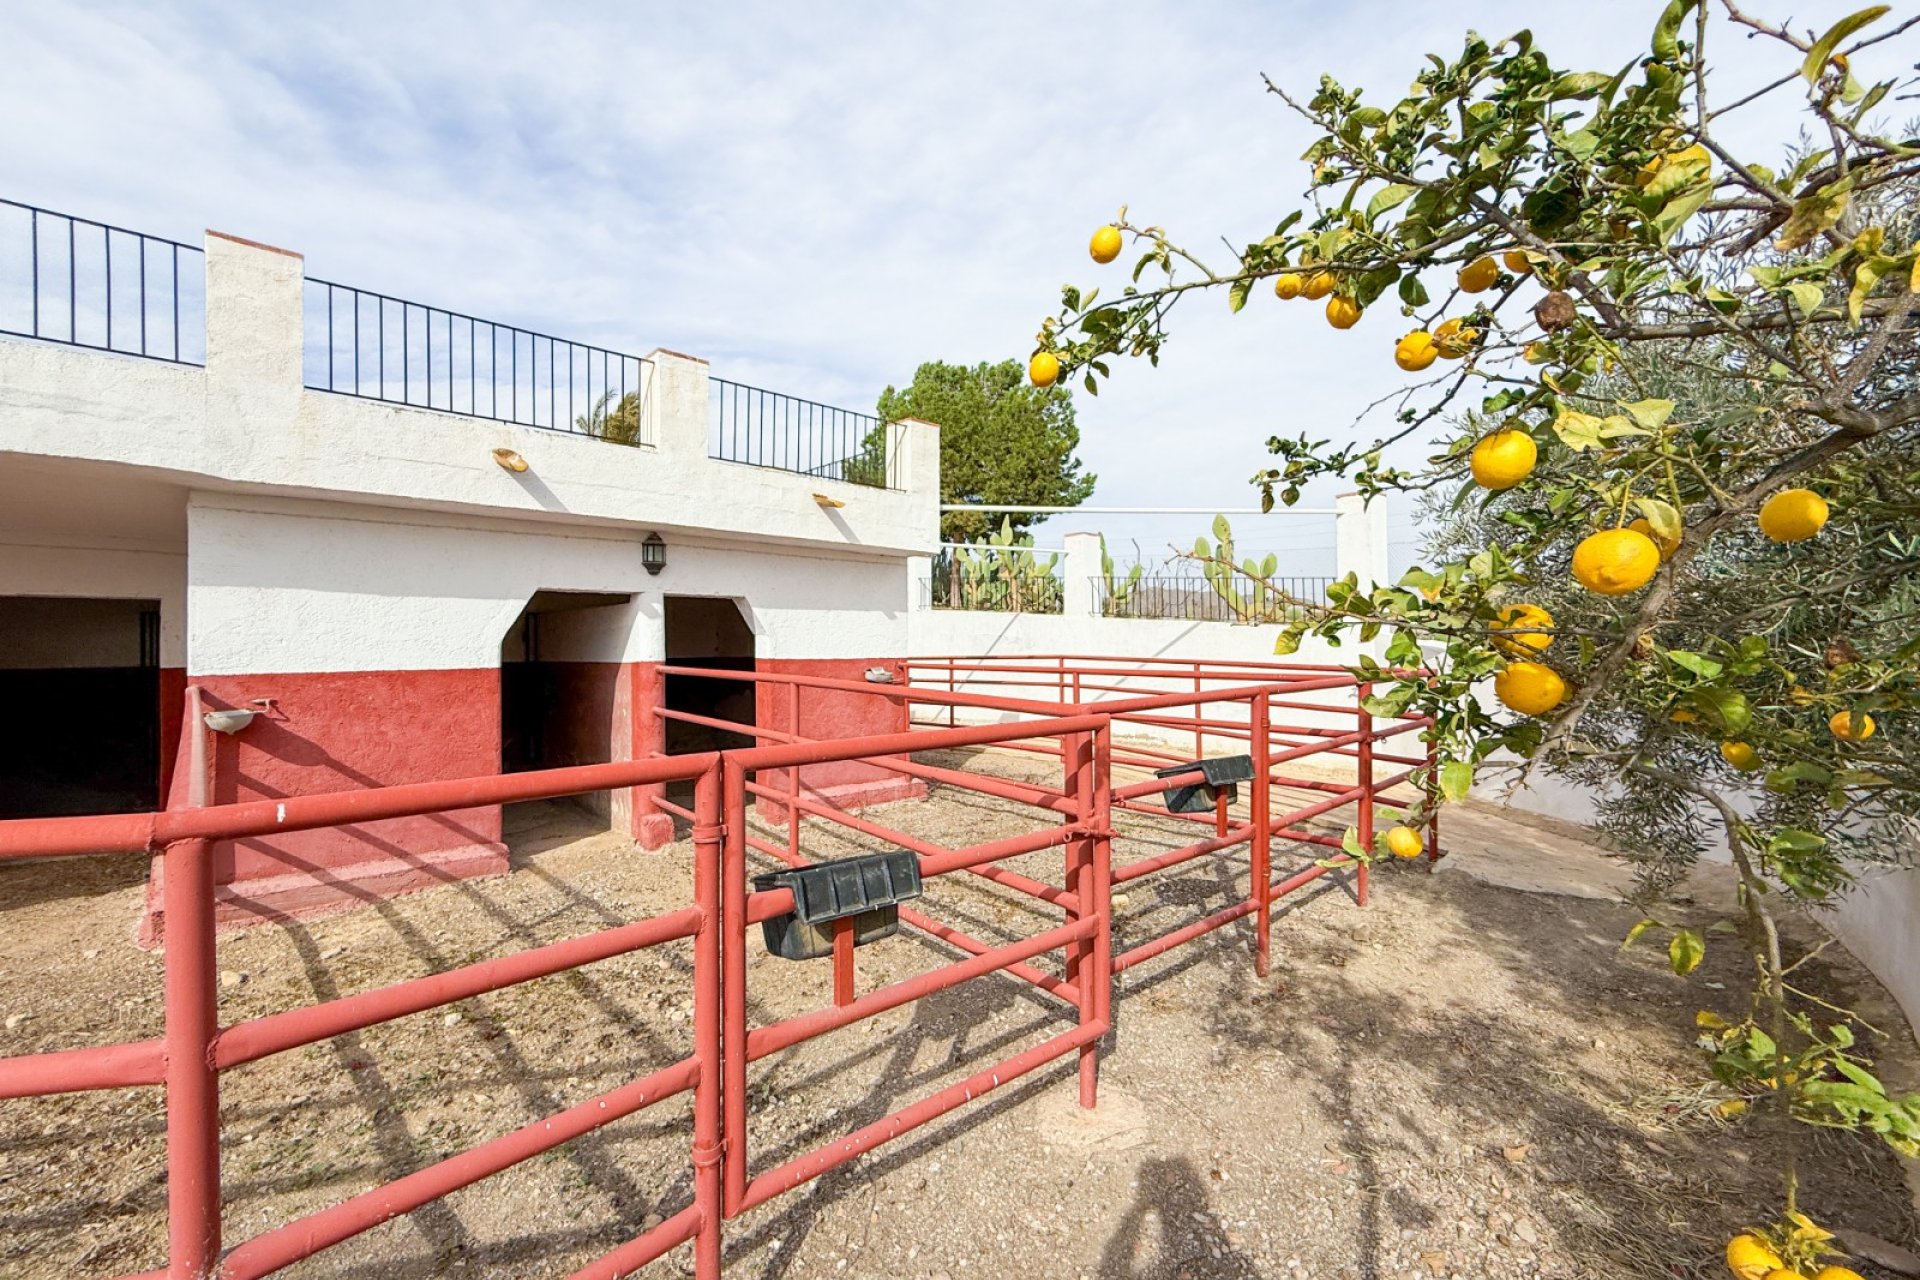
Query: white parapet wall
{"x": 246, "y": 420}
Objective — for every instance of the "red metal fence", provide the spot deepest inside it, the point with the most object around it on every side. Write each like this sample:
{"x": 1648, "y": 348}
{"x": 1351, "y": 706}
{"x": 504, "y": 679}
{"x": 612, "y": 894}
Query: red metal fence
{"x": 1080, "y": 707}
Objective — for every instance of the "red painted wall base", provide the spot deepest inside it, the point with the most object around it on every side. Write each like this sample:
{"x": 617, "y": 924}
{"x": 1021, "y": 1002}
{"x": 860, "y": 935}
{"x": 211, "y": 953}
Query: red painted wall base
{"x": 337, "y": 731}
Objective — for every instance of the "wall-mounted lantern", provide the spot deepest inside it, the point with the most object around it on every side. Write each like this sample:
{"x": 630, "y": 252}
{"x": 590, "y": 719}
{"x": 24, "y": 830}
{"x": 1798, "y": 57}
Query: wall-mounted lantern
{"x": 653, "y": 553}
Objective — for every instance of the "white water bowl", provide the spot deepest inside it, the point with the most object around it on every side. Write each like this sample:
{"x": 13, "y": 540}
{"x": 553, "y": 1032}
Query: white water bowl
{"x": 228, "y": 721}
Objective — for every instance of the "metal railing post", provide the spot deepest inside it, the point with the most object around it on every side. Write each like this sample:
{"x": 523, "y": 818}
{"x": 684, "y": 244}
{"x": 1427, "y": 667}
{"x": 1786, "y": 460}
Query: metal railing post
{"x": 192, "y": 1019}
{"x": 1261, "y": 805}
{"x": 733, "y": 994}
{"x": 1098, "y": 896}
{"x": 1364, "y": 772}
{"x": 709, "y": 1152}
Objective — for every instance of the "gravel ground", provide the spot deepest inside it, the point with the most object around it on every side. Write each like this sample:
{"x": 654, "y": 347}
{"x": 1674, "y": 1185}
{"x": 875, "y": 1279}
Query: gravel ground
{"x": 1462, "y": 1080}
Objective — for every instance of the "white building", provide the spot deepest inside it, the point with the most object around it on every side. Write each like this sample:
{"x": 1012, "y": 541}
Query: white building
{"x": 366, "y": 568}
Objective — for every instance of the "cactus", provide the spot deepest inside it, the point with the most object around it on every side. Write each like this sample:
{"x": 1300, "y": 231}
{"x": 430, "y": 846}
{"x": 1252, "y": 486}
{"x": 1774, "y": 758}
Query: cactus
{"x": 1007, "y": 579}
{"x": 1116, "y": 593}
{"x": 1261, "y": 602}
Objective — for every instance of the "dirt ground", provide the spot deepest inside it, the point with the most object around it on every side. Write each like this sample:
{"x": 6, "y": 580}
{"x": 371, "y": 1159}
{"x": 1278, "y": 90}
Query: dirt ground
{"x": 1466, "y": 1079}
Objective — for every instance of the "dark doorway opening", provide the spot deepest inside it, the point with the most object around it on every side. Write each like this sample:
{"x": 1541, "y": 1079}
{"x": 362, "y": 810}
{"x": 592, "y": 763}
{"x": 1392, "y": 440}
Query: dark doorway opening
{"x": 80, "y": 679}
{"x": 706, "y": 632}
{"x": 559, "y": 685}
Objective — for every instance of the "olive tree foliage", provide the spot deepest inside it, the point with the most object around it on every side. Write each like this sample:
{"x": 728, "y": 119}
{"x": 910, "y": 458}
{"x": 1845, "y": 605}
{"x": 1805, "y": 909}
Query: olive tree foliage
{"x": 1683, "y": 331}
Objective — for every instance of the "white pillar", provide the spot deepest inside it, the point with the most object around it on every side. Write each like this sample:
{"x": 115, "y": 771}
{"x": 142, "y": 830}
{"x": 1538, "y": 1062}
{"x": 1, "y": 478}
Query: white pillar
{"x": 1360, "y": 540}
{"x": 674, "y": 409}
{"x": 1079, "y": 569}
{"x": 255, "y": 325}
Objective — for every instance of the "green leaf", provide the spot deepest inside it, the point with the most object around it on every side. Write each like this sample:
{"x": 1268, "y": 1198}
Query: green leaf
{"x": 1580, "y": 84}
{"x": 1633, "y": 934}
{"x": 1412, "y": 292}
{"x": 1456, "y": 779}
{"x": 1387, "y": 198}
{"x": 1651, "y": 414}
{"x": 1686, "y": 951}
{"x": 1666, "y": 32}
{"x": 1794, "y": 840}
{"x": 1806, "y": 296}
{"x": 1814, "y": 214}
{"x": 1237, "y": 294}
{"x": 1865, "y": 277}
{"x": 1822, "y": 49}
{"x": 1727, "y": 706}
{"x": 1663, "y": 519}
{"x": 1704, "y": 667}
{"x": 1578, "y": 431}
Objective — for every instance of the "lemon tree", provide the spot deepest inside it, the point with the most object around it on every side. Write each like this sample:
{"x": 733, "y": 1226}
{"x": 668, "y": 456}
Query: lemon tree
{"x": 1670, "y": 388}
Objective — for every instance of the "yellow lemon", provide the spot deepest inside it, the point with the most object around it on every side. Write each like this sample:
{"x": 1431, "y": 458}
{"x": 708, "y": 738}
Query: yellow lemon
{"x": 1454, "y": 339}
{"x": 1615, "y": 561}
{"x": 1415, "y": 351}
{"x": 1517, "y": 262}
{"x": 1105, "y": 245}
{"x": 1667, "y": 545}
{"x": 1515, "y": 623}
{"x": 1478, "y": 275}
{"x": 1405, "y": 842}
{"x": 1044, "y": 369}
{"x": 1740, "y": 755}
{"x": 1531, "y": 688}
{"x": 1784, "y": 1273}
{"x": 1837, "y": 1273}
{"x": 1751, "y": 1258}
{"x": 1793, "y": 515}
{"x": 1851, "y": 726}
{"x": 1342, "y": 312}
{"x": 1503, "y": 459}
{"x": 1319, "y": 285}
{"x": 1289, "y": 285}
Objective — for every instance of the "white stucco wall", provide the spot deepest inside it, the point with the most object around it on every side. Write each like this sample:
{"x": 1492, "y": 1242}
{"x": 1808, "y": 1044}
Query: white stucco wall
{"x": 115, "y": 573}
{"x": 944, "y": 633}
{"x": 246, "y": 422}
{"x": 284, "y": 585}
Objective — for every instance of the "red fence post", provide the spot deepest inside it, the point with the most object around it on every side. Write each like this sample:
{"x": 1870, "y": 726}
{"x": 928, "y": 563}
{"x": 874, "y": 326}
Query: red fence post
{"x": 192, "y": 1011}
{"x": 1261, "y": 804}
{"x": 843, "y": 962}
{"x": 1364, "y": 770}
{"x": 1074, "y": 750}
{"x": 1103, "y": 873}
{"x": 1083, "y": 956}
{"x": 733, "y": 996}
{"x": 708, "y": 1149}
{"x": 793, "y": 774}
{"x": 1199, "y": 730}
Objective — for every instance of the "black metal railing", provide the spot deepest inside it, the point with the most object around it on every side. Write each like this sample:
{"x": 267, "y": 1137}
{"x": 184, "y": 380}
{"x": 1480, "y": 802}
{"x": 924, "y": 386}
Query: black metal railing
{"x": 87, "y": 284}
{"x": 767, "y": 429}
{"x": 360, "y": 343}
{"x": 1192, "y": 598}
{"x": 1036, "y": 592}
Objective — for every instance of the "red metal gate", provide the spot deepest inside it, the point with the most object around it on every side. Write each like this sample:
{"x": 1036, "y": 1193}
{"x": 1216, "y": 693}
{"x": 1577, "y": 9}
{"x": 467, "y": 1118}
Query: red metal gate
{"x": 1077, "y": 726}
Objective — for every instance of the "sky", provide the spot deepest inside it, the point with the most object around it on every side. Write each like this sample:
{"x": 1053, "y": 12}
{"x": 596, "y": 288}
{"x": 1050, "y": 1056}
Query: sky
{"x": 815, "y": 198}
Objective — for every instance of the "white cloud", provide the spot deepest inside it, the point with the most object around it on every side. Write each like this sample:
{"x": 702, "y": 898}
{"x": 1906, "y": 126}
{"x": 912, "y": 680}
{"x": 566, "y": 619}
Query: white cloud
{"x": 816, "y": 198}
